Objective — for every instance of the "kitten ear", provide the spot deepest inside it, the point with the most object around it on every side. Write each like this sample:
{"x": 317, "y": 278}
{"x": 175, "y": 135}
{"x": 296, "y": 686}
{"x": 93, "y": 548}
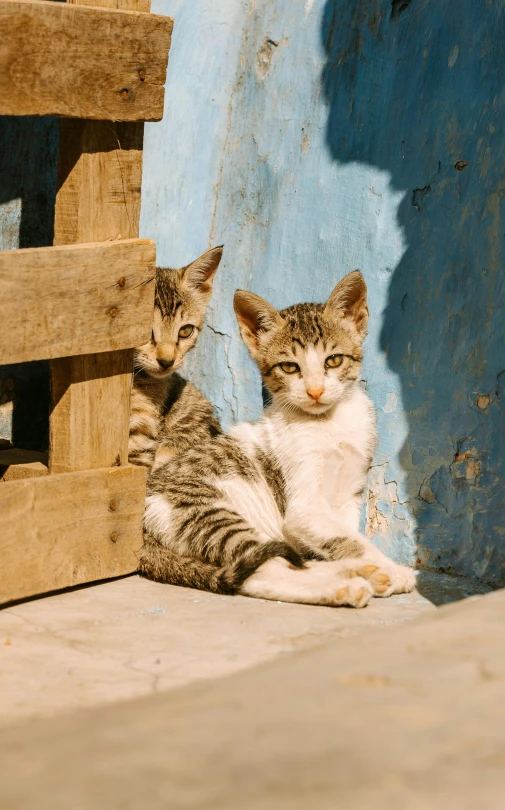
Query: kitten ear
{"x": 255, "y": 318}
{"x": 199, "y": 275}
{"x": 348, "y": 300}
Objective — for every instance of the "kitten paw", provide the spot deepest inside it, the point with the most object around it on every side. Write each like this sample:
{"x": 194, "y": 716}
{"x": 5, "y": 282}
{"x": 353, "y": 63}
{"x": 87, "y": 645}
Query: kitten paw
{"x": 386, "y": 578}
{"x": 404, "y": 579}
{"x": 354, "y": 592}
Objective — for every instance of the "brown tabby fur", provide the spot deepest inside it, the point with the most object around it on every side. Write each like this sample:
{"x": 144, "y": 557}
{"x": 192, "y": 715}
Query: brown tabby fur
{"x": 176, "y": 435}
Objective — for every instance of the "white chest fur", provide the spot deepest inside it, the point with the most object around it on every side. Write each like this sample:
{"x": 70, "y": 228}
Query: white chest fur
{"x": 321, "y": 457}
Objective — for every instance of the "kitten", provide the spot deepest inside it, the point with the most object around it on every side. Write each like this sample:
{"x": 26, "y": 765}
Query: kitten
{"x": 320, "y": 429}
{"x": 272, "y": 510}
{"x": 168, "y": 418}
{"x": 167, "y": 413}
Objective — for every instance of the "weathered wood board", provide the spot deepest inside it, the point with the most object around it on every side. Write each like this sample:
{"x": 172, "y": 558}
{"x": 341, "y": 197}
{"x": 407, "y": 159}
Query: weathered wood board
{"x": 133, "y": 5}
{"x": 62, "y": 530}
{"x": 90, "y": 396}
{"x": 99, "y": 181}
{"x": 61, "y": 301}
{"x": 98, "y": 198}
{"x": 82, "y": 62}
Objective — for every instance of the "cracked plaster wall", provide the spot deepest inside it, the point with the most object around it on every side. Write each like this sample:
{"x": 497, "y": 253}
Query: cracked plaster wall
{"x": 313, "y": 137}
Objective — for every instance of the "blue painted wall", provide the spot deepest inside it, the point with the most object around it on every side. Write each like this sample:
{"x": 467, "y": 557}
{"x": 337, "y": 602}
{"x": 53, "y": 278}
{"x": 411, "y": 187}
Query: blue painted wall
{"x": 313, "y": 137}
{"x": 414, "y": 94}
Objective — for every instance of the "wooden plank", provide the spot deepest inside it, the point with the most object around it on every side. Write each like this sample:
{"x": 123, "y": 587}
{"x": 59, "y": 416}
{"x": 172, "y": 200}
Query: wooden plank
{"x": 98, "y": 198}
{"x": 99, "y": 181}
{"x": 82, "y": 61}
{"x": 16, "y": 464}
{"x": 90, "y": 411}
{"x": 75, "y": 300}
{"x": 133, "y": 5}
{"x": 63, "y": 530}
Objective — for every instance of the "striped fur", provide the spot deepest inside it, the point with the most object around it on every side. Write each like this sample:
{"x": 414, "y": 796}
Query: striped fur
{"x": 169, "y": 415}
{"x": 212, "y": 504}
{"x": 249, "y": 512}
{"x": 193, "y": 534}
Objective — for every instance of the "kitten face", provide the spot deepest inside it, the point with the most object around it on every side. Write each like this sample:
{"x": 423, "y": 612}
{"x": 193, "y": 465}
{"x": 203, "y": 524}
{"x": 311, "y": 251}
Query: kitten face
{"x": 181, "y": 299}
{"x": 309, "y": 355}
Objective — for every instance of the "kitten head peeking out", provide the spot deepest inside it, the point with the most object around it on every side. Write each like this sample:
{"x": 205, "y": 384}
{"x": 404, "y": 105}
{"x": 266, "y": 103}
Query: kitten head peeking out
{"x": 309, "y": 355}
{"x": 180, "y": 303}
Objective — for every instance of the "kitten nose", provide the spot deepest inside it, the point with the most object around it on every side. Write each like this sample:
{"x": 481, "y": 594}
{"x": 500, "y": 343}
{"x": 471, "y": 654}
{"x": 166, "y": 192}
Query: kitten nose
{"x": 165, "y": 364}
{"x": 315, "y": 393}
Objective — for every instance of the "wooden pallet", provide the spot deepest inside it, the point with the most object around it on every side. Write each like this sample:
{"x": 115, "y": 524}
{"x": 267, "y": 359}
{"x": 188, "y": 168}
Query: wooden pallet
{"x": 84, "y": 304}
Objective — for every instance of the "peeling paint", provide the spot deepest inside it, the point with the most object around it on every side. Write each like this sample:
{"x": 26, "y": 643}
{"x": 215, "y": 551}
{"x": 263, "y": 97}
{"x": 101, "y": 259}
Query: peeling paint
{"x": 264, "y": 56}
{"x": 398, "y": 7}
{"x": 419, "y": 195}
{"x": 388, "y": 521}
{"x": 453, "y": 56}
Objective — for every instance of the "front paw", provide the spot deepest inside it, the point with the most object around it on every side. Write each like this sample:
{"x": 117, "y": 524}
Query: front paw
{"x": 386, "y": 578}
{"x": 353, "y": 592}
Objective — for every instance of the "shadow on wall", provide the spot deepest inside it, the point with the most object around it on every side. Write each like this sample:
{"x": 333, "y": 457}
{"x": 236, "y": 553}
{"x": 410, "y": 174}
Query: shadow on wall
{"x": 415, "y": 87}
{"x": 28, "y": 153}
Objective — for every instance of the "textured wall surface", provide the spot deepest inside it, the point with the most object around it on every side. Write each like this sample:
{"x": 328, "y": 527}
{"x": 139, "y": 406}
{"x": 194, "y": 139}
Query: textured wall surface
{"x": 317, "y": 137}
{"x": 313, "y": 137}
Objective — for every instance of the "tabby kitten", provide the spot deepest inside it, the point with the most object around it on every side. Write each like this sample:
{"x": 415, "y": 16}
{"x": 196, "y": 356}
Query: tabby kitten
{"x": 168, "y": 414}
{"x": 272, "y": 510}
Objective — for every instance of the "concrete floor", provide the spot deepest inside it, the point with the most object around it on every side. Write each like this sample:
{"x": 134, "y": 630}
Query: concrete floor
{"x": 409, "y": 716}
{"x": 131, "y": 637}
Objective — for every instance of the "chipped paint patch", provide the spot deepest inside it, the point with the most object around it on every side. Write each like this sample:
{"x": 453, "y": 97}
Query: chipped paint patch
{"x": 264, "y": 56}
{"x": 389, "y": 522}
{"x": 453, "y": 56}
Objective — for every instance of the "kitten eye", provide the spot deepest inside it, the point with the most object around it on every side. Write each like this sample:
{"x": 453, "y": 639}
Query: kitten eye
{"x": 289, "y": 368}
{"x": 186, "y": 331}
{"x": 334, "y": 361}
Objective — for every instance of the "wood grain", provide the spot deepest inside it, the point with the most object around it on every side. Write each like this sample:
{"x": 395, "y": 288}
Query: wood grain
{"x": 16, "y": 464}
{"x": 99, "y": 181}
{"x": 90, "y": 411}
{"x": 81, "y": 61}
{"x": 133, "y": 5}
{"x": 75, "y": 300}
{"x": 98, "y": 198}
{"x": 63, "y": 530}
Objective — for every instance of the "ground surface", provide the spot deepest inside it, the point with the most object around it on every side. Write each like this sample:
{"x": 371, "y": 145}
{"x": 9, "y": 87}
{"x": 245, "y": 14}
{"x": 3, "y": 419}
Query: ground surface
{"x": 128, "y": 638}
{"x": 409, "y": 716}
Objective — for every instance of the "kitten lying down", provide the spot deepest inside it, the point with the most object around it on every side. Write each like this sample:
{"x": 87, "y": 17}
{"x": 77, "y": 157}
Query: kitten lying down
{"x": 272, "y": 510}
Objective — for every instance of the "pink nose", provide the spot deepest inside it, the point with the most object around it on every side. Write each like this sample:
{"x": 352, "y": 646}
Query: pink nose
{"x": 315, "y": 393}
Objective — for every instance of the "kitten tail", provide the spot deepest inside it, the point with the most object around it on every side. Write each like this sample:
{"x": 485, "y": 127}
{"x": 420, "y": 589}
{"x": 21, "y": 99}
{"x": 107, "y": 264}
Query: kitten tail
{"x": 159, "y": 563}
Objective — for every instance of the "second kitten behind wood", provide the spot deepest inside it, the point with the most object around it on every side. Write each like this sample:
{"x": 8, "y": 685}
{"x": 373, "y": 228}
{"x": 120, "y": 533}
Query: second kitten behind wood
{"x": 168, "y": 414}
